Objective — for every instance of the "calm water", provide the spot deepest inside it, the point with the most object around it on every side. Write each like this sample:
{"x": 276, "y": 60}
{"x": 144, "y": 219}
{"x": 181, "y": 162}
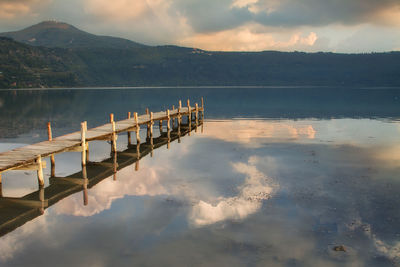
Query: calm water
{"x": 278, "y": 177}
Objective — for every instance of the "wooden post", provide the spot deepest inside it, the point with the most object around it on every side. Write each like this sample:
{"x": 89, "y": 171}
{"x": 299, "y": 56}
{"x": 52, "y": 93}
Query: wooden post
{"x": 179, "y": 117}
{"x": 197, "y": 113}
{"x": 189, "y": 110}
{"x": 115, "y": 166}
{"x": 160, "y": 126}
{"x": 168, "y": 121}
{"x": 180, "y": 104}
{"x": 49, "y": 131}
{"x": 137, "y": 127}
{"x": 129, "y": 133}
{"x": 114, "y": 138}
{"x": 147, "y": 111}
{"x": 151, "y": 124}
{"x": 1, "y": 187}
{"x": 173, "y": 107}
{"x": 137, "y": 165}
{"x": 52, "y": 160}
{"x": 113, "y": 134}
{"x": 41, "y": 198}
{"x": 169, "y": 138}
{"x": 83, "y": 143}
{"x": 40, "y": 170}
{"x": 85, "y": 183}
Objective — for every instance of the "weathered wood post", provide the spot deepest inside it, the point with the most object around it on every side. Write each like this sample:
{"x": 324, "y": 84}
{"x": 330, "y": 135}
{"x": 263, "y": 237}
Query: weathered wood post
{"x": 86, "y": 143}
{"x": 137, "y": 165}
{"x": 137, "y": 157}
{"x": 39, "y": 170}
{"x": 169, "y": 138}
{"x": 173, "y": 119}
{"x": 115, "y": 165}
{"x": 85, "y": 194}
{"x": 160, "y": 125}
{"x": 168, "y": 120}
{"x": 151, "y": 124}
{"x": 114, "y": 135}
{"x": 83, "y": 143}
{"x": 189, "y": 111}
{"x": 147, "y": 111}
{"x": 135, "y": 115}
{"x": 189, "y": 117}
{"x": 1, "y": 187}
{"x": 52, "y": 160}
{"x": 85, "y": 183}
{"x": 197, "y": 114}
{"x": 129, "y": 132}
{"x": 41, "y": 198}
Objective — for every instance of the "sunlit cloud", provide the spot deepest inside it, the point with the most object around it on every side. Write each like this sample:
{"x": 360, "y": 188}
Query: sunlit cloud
{"x": 146, "y": 182}
{"x": 246, "y": 38}
{"x": 11, "y": 9}
{"x": 256, "y": 188}
{"x": 247, "y": 131}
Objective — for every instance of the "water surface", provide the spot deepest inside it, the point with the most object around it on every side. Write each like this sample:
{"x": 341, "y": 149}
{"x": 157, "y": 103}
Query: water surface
{"x": 278, "y": 177}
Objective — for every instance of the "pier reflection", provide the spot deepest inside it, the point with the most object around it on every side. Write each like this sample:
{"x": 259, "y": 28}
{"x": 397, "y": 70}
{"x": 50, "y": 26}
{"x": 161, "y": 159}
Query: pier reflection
{"x": 15, "y": 212}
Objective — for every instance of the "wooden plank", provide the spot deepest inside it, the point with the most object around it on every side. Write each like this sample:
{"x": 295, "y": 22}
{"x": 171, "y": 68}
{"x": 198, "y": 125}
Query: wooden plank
{"x": 18, "y": 202}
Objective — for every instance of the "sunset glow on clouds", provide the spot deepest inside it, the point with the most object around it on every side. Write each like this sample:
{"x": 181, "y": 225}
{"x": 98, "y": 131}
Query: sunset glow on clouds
{"x": 254, "y": 25}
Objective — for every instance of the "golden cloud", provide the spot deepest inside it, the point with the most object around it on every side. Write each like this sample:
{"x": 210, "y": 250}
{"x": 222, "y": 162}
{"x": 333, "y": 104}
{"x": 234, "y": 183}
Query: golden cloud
{"x": 247, "y": 38}
{"x": 246, "y": 131}
{"x": 13, "y": 9}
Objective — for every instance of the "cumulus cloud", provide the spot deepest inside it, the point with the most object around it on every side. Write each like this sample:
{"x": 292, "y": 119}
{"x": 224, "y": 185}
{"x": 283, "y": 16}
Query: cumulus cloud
{"x": 253, "y": 25}
{"x": 257, "y": 187}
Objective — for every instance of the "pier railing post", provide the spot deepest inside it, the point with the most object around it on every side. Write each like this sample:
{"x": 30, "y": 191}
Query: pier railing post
{"x": 83, "y": 142}
{"x": 1, "y": 187}
{"x": 52, "y": 159}
{"x": 114, "y": 135}
{"x": 135, "y": 115}
{"x": 168, "y": 120}
{"x": 129, "y": 133}
{"x": 189, "y": 111}
{"x": 197, "y": 113}
{"x": 39, "y": 170}
{"x": 151, "y": 124}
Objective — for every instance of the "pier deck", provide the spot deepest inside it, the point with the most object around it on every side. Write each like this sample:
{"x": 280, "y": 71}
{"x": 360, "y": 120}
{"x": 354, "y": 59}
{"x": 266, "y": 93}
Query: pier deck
{"x": 29, "y": 157}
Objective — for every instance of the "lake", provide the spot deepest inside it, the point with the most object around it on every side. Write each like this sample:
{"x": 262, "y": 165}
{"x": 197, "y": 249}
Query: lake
{"x": 274, "y": 177}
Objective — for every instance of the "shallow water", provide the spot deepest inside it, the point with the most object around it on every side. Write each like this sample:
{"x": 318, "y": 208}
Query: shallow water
{"x": 303, "y": 170}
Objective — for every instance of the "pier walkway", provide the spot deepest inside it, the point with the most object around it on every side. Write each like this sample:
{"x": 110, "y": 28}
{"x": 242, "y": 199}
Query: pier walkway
{"x": 30, "y": 157}
{"x": 16, "y": 211}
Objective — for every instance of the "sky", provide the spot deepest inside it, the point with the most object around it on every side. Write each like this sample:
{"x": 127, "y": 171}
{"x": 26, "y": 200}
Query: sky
{"x": 346, "y": 26}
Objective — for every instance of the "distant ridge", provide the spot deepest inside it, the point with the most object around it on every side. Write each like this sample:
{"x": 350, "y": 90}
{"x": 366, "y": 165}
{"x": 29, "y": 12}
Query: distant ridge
{"x": 59, "y": 34}
{"x": 56, "y": 54}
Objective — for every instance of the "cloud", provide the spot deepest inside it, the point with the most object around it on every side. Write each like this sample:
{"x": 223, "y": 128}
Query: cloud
{"x": 11, "y": 9}
{"x": 256, "y": 188}
{"x": 247, "y": 131}
{"x": 295, "y": 13}
{"x": 248, "y": 38}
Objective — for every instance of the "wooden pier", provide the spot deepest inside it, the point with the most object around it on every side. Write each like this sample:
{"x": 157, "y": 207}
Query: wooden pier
{"x": 30, "y": 157}
{"x": 14, "y": 212}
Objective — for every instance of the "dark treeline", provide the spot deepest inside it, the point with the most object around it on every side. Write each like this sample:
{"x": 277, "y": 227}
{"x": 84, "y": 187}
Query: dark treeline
{"x": 24, "y": 66}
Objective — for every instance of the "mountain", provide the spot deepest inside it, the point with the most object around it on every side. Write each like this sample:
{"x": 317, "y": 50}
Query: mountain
{"x": 59, "y": 34}
{"x": 107, "y": 63}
